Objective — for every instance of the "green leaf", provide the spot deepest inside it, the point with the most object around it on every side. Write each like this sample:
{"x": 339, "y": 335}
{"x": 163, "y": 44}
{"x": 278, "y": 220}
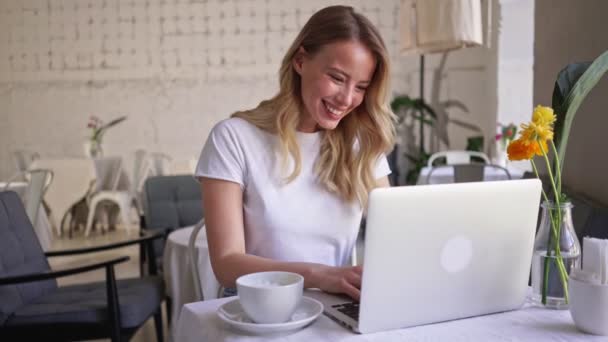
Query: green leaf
{"x": 575, "y": 97}
{"x": 475, "y": 143}
{"x": 401, "y": 101}
{"x": 455, "y": 103}
{"x": 566, "y": 79}
{"x": 426, "y": 121}
{"x": 428, "y": 109}
{"x": 102, "y": 130}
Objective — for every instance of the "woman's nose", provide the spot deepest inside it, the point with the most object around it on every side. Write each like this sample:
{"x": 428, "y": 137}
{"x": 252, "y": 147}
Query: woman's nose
{"x": 345, "y": 96}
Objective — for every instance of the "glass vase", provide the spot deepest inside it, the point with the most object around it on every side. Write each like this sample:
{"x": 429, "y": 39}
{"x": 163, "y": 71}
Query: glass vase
{"x": 556, "y": 252}
{"x": 92, "y": 149}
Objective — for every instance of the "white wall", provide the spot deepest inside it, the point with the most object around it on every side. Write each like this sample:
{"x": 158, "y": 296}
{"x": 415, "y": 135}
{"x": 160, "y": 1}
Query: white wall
{"x": 174, "y": 67}
{"x": 515, "y": 63}
{"x": 566, "y": 32}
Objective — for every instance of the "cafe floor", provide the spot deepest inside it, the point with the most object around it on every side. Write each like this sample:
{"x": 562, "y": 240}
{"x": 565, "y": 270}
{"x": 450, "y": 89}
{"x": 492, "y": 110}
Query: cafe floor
{"x": 127, "y": 269}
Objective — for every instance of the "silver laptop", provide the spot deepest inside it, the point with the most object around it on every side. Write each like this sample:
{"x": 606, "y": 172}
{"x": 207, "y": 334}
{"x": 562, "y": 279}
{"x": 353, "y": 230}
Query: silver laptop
{"x": 441, "y": 252}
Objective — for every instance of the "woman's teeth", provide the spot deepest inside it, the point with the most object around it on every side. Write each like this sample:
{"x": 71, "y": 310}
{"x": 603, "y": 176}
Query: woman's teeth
{"x": 332, "y": 110}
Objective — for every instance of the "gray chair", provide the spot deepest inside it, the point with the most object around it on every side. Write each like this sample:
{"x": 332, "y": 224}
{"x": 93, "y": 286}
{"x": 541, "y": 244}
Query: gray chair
{"x": 171, "y": 202}
{"x": 463, "y": 173}
{"x": 33, "y": 307}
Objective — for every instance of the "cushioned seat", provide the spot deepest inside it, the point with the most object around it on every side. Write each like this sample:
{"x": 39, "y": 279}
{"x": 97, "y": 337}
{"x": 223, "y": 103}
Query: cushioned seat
{"x": 87, "y": 303}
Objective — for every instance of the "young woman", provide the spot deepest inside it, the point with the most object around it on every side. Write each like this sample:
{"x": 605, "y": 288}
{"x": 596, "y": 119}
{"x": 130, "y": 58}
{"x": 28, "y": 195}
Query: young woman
{"x": 284, "y": 184}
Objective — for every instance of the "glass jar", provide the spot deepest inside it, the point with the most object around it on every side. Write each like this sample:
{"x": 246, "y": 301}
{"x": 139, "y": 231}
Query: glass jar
{"x": 554, "y": 258}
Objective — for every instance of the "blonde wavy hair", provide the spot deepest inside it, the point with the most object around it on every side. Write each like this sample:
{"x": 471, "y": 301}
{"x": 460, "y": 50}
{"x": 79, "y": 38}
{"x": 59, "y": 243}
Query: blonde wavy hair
{"x": 348, "y": 153}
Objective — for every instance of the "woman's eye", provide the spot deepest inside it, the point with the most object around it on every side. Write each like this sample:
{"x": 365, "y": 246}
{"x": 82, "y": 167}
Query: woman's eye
{"x": 336, "y": 78}
{"x": 361, "y": 88}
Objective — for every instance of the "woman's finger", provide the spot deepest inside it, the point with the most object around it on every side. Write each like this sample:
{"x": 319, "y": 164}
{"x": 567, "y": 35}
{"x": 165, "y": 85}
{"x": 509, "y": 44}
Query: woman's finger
{"x": 350, "y": 290}
{"x": 354, "y": 279}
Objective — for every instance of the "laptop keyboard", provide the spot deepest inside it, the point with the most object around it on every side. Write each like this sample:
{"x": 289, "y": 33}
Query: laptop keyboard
{"x": 350, "y": 309}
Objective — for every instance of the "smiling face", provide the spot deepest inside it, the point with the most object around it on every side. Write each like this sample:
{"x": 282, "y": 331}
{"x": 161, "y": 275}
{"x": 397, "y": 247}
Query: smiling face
{"x": 333, "y": 82}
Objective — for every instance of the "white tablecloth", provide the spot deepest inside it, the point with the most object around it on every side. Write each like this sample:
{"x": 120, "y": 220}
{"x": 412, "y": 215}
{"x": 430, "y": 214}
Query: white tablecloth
{"x": 42, "y": 226}
{"x": 446, "y": 175}
{"x": 198, "y": 322}
{"x": 177, "y": 270}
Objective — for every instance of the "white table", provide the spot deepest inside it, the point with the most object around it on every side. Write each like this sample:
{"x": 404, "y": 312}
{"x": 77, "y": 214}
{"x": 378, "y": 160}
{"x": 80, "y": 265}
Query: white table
{"x": 42, "y": 226}
{"x": 446, "y": 175}
{"x": 198, "y": 322}
{"x": 177, "y": 268}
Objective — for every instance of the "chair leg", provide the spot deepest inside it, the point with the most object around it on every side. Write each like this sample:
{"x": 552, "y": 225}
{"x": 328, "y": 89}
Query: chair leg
{"x": 158, "y": 324}
{"x": 142, "y": 259}
{"x": 90, "y": 217}
{"x": 169, "y": 306}
{"x": 124, "y": 215}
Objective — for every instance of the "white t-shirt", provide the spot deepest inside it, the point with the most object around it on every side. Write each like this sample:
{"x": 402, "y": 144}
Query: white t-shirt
{"x": 297, "y": 221}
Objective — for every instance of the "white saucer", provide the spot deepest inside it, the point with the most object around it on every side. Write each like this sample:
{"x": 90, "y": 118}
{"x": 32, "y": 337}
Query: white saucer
{"x": 232, "y": 313}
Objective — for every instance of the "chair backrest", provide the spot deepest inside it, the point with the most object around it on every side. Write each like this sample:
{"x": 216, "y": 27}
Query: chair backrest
{"x": 458, "y": 157}
{"x": 107, "y": 173}
{"x": 39, "y": 181}
{"x": 463, "y": 173}
{"x": 193, "y": 253}
{"x": 24, "y": 158}
{"x": 171, "y": 202}
{"x": 20, "y": 253}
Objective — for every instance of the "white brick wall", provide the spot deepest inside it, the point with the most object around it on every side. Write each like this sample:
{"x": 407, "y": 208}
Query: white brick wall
{"x": 175, "y": 67}
{"x": 141, "y": 39}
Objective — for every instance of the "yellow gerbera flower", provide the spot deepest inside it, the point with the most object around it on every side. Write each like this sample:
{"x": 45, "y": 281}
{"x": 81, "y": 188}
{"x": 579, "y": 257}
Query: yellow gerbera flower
{"x": 543, "y": 116}
{"x": 533, "y": 131}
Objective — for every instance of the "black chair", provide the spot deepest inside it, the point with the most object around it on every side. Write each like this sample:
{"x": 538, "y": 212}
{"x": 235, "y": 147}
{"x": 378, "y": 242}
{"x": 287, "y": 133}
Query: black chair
{"x": 33, "y": 307}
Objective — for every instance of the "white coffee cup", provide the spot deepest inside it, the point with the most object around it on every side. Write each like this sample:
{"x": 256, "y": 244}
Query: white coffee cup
{"x": 270, "y": 297}
{"x": 589, "y": 306}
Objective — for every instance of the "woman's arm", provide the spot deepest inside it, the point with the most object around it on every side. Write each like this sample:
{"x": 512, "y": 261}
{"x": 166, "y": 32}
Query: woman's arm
{"x": 223, "y": 208}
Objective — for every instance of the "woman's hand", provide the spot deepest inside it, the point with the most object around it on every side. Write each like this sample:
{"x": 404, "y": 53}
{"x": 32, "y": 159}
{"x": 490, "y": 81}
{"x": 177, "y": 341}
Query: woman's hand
{"x": 345, "y": 280}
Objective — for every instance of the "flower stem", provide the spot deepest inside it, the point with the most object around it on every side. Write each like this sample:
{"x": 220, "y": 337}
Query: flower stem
{"x": 545, "y": 285}
{"x": 556, "y": 225}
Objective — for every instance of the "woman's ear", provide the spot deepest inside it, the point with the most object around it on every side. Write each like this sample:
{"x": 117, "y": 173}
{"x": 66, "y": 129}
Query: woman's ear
{"x": 298, "y": 60}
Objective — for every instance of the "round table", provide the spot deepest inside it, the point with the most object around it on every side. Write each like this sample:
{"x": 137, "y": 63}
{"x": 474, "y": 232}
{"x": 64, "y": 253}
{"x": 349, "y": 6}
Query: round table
{"x": 42, "y": 226}
{"x": 177, "y": 270}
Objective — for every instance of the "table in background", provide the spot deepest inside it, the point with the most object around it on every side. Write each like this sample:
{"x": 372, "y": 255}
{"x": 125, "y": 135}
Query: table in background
{"x": 446, "y": 175}
{"x": 42, "y": 226}
{"x": 199, "y": 322}
{"x": 177, "y": 268}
